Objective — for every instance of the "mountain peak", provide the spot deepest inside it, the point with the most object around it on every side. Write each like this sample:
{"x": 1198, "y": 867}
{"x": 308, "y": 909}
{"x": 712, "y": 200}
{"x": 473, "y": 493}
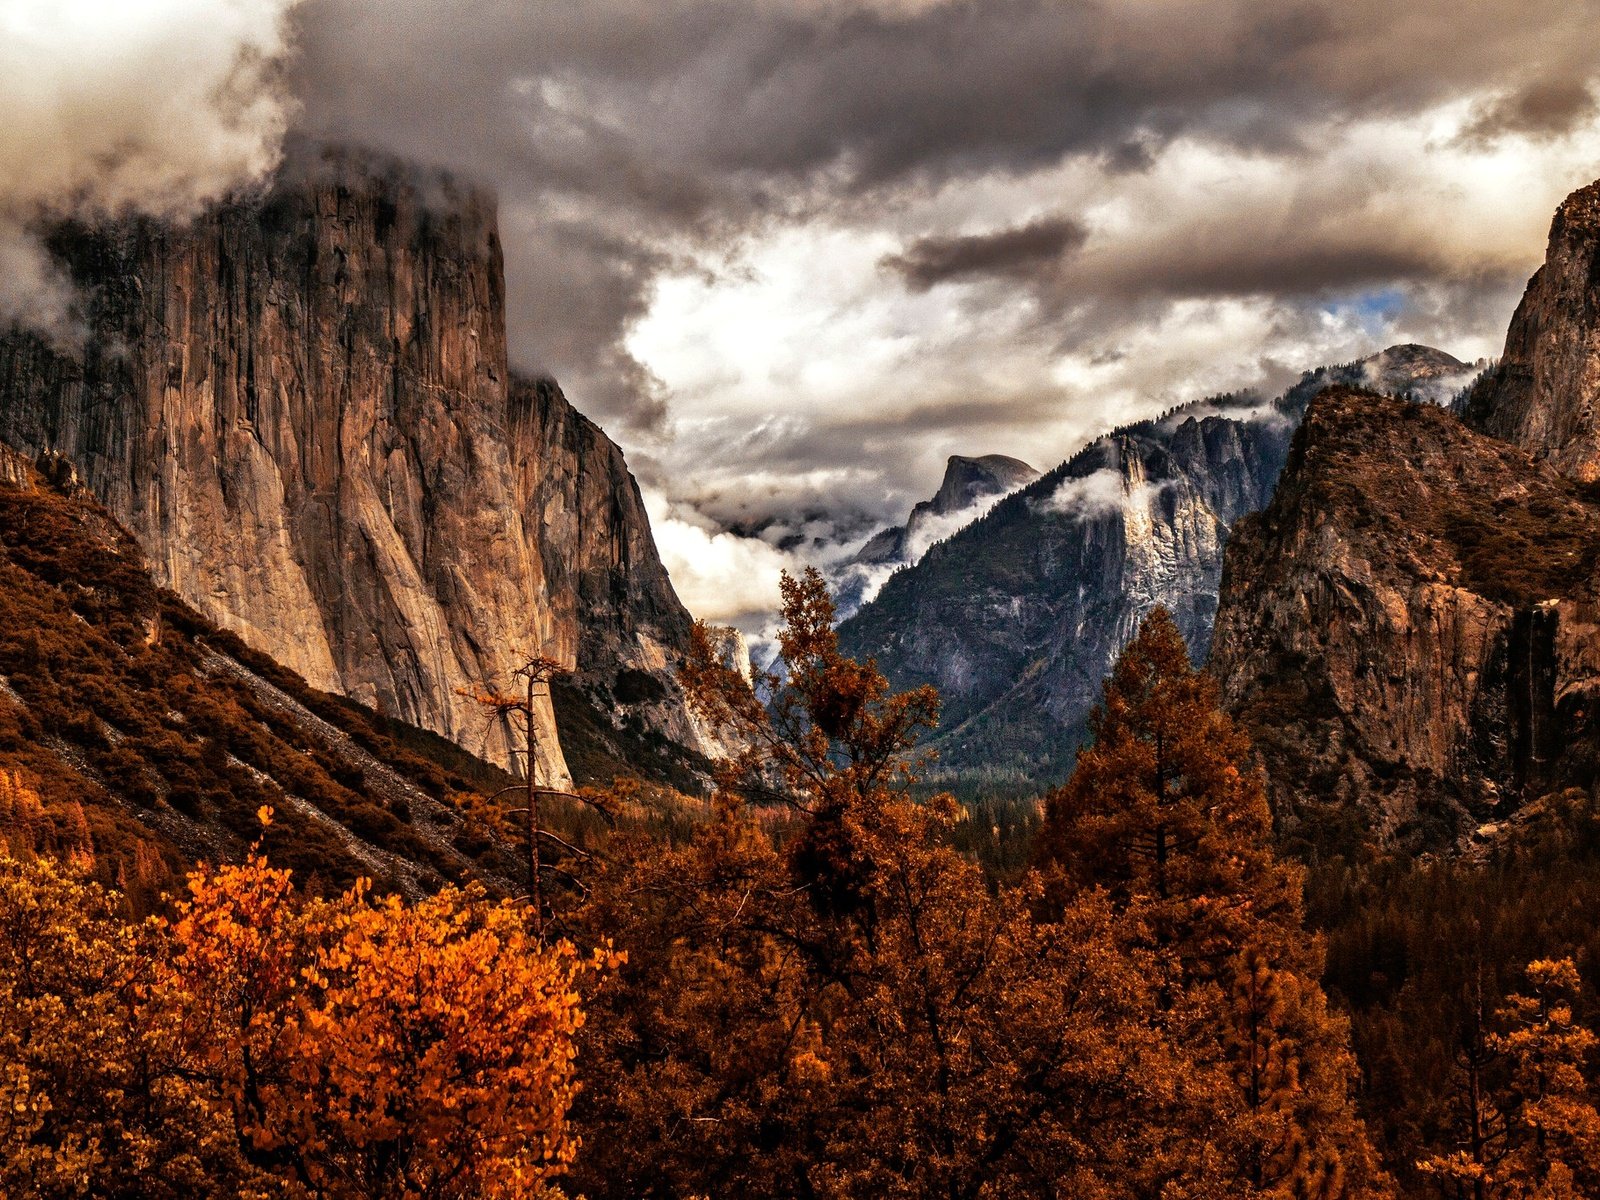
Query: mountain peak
{"x": 968, "y": 480}
{"x": 1544, "y": 395}
{"x": 1579, "y": 212}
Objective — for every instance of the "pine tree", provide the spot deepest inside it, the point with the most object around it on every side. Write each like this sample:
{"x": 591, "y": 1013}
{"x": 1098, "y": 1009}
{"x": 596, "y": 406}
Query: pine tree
{"x": 1166, "y": 808}
{"x": 1545, "y": 1139}
{"x": 854, "y": 1011}
{"x": 1166, "y": 811}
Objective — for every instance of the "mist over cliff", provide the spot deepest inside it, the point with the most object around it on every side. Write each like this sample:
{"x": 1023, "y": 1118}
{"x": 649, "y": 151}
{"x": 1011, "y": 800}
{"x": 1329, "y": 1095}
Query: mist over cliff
{"x": 1017, "y": 617}
{"x": 300, "y": 404}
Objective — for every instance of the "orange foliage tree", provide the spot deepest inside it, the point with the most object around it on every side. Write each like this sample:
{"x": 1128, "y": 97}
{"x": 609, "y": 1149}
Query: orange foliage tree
{"x": 95, "y": 1097}
{"x": 1167, "y": 812}
{"x": 1535, "y": 1136}
{"x": 263, "y": 1045}
{"x": 848, "y": 1008}
{"x": 378, "y": 1048}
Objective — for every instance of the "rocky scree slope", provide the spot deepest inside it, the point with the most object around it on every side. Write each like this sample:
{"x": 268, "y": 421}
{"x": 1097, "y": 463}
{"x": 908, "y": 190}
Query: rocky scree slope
{"x": 1410, "y": 630}
{"x": 1017, "y": 617}
{"x": 300, "y": 405}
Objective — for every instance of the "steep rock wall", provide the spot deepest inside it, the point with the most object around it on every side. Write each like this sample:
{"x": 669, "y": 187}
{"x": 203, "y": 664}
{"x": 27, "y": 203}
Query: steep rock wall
{"x": 1409, "y": 629}
{"x": 1544, "y": 394}
{"x": 300, "y": 405}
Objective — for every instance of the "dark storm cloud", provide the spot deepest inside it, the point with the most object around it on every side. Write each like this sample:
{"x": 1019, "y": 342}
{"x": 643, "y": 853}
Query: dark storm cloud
{"x": 1546, "y": 109}
{"x": 1023, "y": 251}
{"x": 1292, "y": 265}
{"x": 625, "y": 134}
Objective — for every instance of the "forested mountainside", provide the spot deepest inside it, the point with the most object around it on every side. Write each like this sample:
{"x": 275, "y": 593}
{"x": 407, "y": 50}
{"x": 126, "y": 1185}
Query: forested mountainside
{"x": 300, "y": 405}
{"x": 1017, "y": 617}
{"x": 136, "y": 735}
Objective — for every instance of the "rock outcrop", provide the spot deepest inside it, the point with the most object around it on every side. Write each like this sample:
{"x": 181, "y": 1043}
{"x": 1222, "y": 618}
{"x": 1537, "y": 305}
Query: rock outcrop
{"x": 967, "y": 483}
{"x": 300, "y": 405}
{"x": 1410, "y": 630}
{"x": 1017, "y": 617}
{"x": 1544, "y": 394}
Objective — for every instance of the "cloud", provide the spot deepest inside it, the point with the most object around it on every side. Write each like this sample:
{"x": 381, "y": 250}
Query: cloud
{"x": 1542, "y": 110}
{"x": 1091, "y": 211}
{"x": 155, "y": 107}
{"x": 1020, "y": 251}
{"x": 1087, "y": 497}
{"x": 720, "y": 576}
{"x": 633, "y": 142}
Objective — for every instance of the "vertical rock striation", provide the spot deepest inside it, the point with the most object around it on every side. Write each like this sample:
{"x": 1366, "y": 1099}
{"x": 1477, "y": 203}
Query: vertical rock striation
{"x": 300, "y": 404}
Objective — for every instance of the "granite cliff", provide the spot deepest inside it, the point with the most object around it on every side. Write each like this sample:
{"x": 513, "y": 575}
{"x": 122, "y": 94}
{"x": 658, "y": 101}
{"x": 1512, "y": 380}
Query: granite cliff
{"x": 1410, "y": 630}
{"x": 300, "y": 405}
{"x": 1017, "y": 617}
{"x": 1544, "y": 393}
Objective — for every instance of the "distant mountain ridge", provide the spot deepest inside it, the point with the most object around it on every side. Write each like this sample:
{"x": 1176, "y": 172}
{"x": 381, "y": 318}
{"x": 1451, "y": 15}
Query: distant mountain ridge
{"x": 1017, "y": 617}
{"x": 967, "y": 481}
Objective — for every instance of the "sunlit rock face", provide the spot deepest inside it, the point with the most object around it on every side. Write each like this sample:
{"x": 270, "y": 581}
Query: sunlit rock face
{"x": 301, "y": 406}
{"x": 1409, "y": 631}
{"x": 1018, "y": 617}
{"x": 1544, "y": 394}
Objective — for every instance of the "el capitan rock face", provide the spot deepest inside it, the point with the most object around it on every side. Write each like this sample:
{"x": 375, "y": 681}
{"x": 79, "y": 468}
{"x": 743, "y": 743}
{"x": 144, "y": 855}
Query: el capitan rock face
{"x": 300, "y": 405}
{"x": 1544, "y": 394}
{"x": 1410, "y": 630}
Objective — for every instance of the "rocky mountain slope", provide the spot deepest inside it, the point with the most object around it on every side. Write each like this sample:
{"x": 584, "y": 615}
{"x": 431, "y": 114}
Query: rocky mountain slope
{"x": 1410, "y": 629}
{"x": 1017, "y": 617}
{"x": 300, "y": 405}
{"x": 138, "y": 737}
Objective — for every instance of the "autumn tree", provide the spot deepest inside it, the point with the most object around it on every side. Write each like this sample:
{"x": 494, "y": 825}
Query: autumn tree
{"x": 1166, "y": 811}
{"x": 376, "y": 1048}
{"x": 1531, "y": 1129}
{"x": 822, "y": 998}
{"x": 95, "y": 1097}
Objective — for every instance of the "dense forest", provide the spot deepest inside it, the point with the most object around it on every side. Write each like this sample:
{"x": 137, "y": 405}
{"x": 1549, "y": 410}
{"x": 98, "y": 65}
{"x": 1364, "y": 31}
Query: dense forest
{"x": 823, "y": 982}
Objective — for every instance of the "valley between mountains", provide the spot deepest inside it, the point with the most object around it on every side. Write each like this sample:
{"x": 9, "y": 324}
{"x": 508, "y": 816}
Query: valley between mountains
{"x": 278, "y": 532}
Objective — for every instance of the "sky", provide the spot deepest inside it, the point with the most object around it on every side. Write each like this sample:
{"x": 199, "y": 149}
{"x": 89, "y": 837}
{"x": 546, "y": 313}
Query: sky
{"x": 792, "y": 254}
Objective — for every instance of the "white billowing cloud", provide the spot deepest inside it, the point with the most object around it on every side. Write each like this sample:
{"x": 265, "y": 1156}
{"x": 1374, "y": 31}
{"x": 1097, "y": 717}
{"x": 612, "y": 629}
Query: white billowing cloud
{"x": 720, "y": 577}
{"x": 1098, "y": 494}
{"x": 1086, "y": 497}
{"x": 1441, "y": 389}
{"x": 113, "y": 107}
{"x": 928, "y": 531}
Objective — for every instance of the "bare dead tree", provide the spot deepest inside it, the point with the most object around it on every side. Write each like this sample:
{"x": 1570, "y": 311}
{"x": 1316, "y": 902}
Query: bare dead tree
{"x": 517, "y": 711}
